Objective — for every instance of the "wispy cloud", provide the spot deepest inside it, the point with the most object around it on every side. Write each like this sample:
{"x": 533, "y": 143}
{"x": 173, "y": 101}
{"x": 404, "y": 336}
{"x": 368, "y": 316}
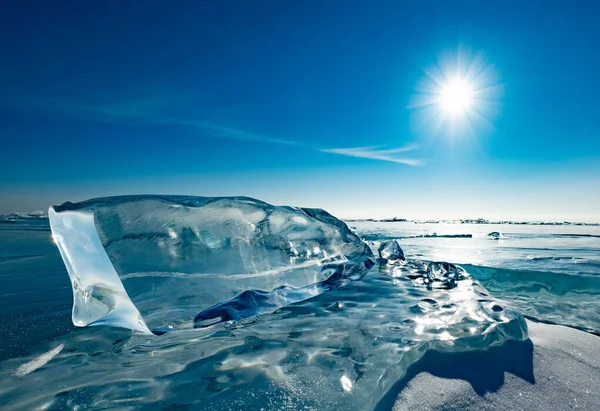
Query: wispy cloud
{"x": 373, "y": 153}
{"x": 378, "y": 153}
{"x": 158, "y": 111}
{"x": 223, "y": 131}
{"x": 146, "y": 111}
{"x": 130, "y": 111}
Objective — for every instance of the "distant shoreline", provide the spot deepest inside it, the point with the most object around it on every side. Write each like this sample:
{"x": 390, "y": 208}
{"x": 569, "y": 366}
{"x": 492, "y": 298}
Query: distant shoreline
{"x": 469, "y": 221}
{"x": 39, "y": 216}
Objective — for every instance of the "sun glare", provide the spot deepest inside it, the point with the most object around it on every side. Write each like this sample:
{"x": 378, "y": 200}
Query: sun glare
{"x": 456, "y": 97}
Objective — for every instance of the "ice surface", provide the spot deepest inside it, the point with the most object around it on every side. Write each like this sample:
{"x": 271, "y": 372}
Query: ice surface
{"x": 159, "y": 260}
{"x": 341, "y": 349}
{"x": 549, "y": 273}
{"x": 38, "y": 362}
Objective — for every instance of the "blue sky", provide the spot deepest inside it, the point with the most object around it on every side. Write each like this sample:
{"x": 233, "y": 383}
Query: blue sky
{"x": 312, "y": 103}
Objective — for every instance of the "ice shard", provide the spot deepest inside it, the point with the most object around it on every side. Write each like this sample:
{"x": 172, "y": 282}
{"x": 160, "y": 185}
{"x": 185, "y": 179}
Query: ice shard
{"x": 390, "y": 251}
{"x": 145, "y": 262}
{"x": 443, "y": 274}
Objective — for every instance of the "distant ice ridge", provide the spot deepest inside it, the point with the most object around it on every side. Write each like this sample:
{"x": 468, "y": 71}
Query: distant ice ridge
{"x": 472, "y": 221}
{"x": 23, "y": 217}
{"x": 144, "y": 262}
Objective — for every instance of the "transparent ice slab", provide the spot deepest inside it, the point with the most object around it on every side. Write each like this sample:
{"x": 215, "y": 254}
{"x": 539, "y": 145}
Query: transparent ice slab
{"x": 145, "y": 262}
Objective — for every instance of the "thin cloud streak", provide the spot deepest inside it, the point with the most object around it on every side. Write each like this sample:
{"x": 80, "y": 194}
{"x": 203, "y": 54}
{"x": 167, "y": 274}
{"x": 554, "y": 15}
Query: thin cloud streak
{"x": 221, "y": 131}
{"x": 147, "y": 111}
{"x": 134, "y": 111}
{"x": 373, "y": 153}
{"x": 377, "y": 153}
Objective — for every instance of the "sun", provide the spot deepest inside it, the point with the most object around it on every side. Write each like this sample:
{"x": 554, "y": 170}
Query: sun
{"x": 456, "y": 96}
{"x": 459, "y": 95}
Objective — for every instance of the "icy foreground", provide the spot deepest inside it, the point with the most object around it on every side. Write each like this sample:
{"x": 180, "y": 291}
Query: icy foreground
{"x": 260, "y": 341}
{"x": 157, "y": 261}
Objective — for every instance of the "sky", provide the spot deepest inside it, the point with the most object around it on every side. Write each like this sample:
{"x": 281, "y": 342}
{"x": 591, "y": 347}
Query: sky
{"x": 330, "y": 104}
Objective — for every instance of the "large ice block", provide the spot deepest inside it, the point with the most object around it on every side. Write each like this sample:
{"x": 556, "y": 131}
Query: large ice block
{"x": 145, "y": 262}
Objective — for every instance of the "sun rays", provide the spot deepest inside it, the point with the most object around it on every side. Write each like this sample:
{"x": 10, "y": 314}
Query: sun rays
{"x": 458, "y": 95}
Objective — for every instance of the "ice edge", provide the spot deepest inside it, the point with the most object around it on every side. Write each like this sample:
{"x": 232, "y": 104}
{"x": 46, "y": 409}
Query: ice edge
{"x": 78, "y": 230}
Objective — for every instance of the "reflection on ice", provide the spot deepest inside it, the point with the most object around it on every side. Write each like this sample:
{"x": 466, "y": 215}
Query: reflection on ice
{"x": 281, "y": 318}
{"x": 343, "y": 349}
{"x": 255, "y": 302}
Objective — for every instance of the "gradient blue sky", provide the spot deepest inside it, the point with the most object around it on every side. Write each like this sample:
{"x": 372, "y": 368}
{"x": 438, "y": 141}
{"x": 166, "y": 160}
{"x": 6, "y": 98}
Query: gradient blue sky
{"x": 309, "y": 103}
